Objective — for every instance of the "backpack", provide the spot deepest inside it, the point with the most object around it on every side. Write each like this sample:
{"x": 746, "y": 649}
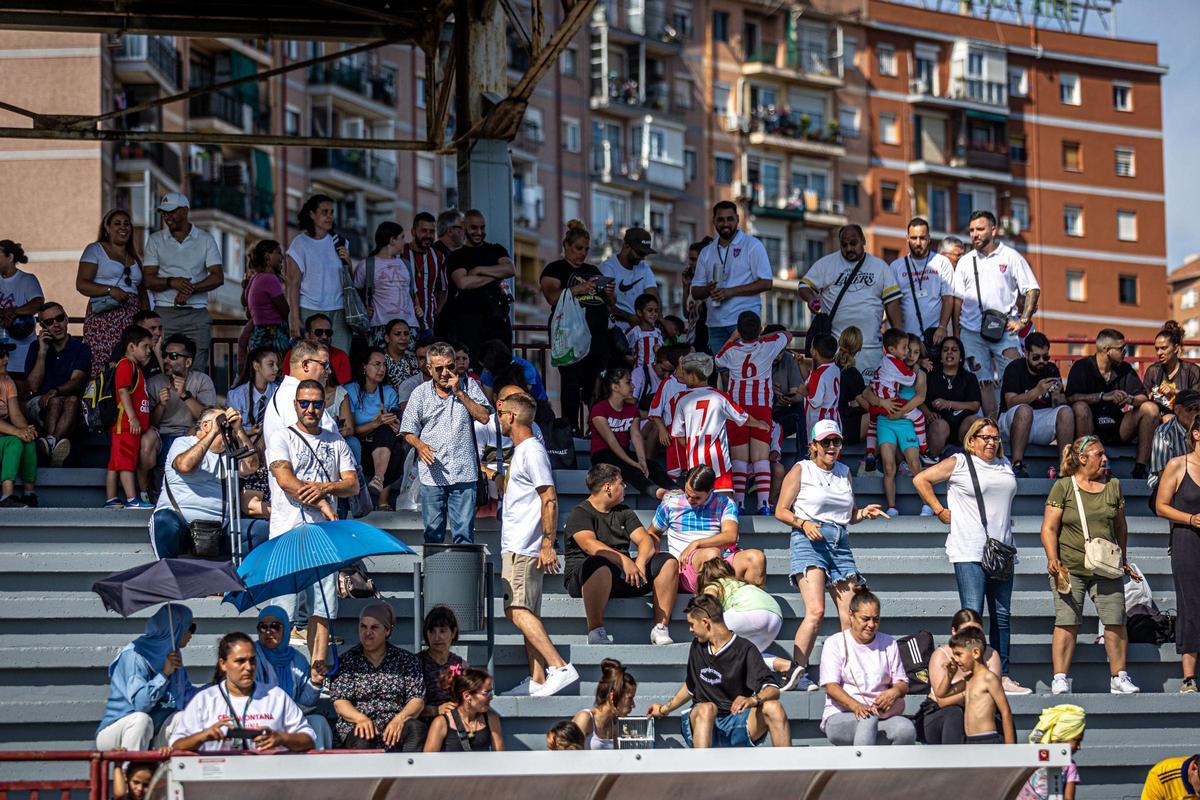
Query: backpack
{"x": 100, "y": 398}
{"x": 915, "y": 652}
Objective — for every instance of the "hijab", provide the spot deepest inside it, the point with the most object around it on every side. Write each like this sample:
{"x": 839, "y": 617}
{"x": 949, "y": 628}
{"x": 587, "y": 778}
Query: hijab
{"x": 281, "y": 658}
{"x": 381, "y": 612}
{"x": 164, "y": 631}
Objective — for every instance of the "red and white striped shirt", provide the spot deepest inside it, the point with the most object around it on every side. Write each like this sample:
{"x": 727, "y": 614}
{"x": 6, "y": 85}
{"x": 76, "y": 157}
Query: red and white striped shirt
{"x": 824, "y": 394}
{"x": 700, "y": 417}
{"x": 429, "y": 272}
{"x": 643, "y": 344}
{"x": 750, "y": 364}
{"x": 663, "y": 407}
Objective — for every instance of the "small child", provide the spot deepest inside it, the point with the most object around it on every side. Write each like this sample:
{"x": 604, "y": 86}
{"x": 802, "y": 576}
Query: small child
{"x": 131, "y": 781}
{"x": 984, "y": 692}
{"x": 644, "y": 341}
{"x": 673, "y": 329}
{"x": 895, "y": 378}
{"x": 1061, "y": 724}
{"x": 133, "y": 418}
{"x": 662, "y": 406}
{"x": 823, "y": 389}
{"x": 440, "y": 630}
{"x": 564, "y": 736}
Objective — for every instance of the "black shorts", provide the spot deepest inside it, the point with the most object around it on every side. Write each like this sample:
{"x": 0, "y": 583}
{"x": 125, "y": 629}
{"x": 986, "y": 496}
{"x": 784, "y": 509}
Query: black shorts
{"x": 574, "y": 581}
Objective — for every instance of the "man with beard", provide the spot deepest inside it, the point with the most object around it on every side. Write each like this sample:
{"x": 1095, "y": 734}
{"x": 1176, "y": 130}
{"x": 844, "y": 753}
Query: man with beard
{"x": 179, "y": 395}
{"x": 925, "y": 280}
{"x": 429, "y": 269}
{"x": 731, "y": 274}
{"x": 478, "y": 305}
{"x": 631, "y": 275}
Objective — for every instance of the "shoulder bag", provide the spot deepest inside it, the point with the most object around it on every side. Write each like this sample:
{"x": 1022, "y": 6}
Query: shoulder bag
{"x": 822, "y": 323}
{"x": 998, "y": 557}
{"x": 993, "y": 323}
{"x": 206, "y": 537}
{"x": 356, "y": 312}
{"x": 1101, "y": 556}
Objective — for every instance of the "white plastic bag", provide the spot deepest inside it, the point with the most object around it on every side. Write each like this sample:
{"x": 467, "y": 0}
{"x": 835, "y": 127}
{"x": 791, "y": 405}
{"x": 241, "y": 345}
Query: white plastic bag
{"x": 409, "y": 496}
{"x": 1139, "y": 599}
{"x": 570, "y": 339}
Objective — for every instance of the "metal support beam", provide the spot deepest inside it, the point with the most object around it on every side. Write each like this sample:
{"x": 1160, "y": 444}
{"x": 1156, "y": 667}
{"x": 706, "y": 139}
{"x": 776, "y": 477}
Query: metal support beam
{"x": 189, "y": 137}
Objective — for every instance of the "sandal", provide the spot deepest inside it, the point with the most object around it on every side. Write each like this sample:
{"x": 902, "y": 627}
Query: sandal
{"x": 384, "y": 507}
{"x": 376, "y": 485}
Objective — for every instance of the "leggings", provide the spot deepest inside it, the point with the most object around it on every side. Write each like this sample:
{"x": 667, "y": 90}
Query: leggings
{"x": 760, "y": 626}
{"x": 945, "y": 726}
{"x": 18, "y": 460}
{"x": 633, "y": 476}
{"x": 844, "y": 729}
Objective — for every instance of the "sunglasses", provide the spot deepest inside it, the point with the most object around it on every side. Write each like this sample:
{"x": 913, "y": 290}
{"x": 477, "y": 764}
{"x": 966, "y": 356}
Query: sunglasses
{"x": 270, "y": 626}
{"x": 324, "y": 364}
{"x": 306, "y": 404}
{"x": 46, "y": 323}
{"x": 175, "y": 356}
{"x": 447, "y": 368}
{"x": 1037, "y": 359}
{"x": 323, "y": 333}
{"x": 833, "y": 441}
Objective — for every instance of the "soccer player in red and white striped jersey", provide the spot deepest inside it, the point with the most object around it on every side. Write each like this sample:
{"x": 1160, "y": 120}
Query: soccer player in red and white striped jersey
{"x": 644, "y": 339}
{"x": 662, "y": 405}
{"x": 700, "y": 419}
{"x": 750, "y": 357}
{"x": 824, "y": 387}
{"x": 429, "y": 270}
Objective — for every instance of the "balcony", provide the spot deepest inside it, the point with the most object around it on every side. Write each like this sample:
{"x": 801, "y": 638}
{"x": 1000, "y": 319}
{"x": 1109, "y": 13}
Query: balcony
{"x": 227, "y": 112}
{"x": 795, "y": 132}
{"x": 355, "y": 170}
{"x": 624, "y": 96}
{"x": 246, "y": 203}
{"x": 363, "y": 91}
{"x": 824, "y": 212}
{"x": 810, "y": 67}
{"x": 140, "y": 156}
{"x": 610, "y": 164}
{"x": 980, "y": 155}
{"x": 976, "y": 93}
{"x": 647, "y": 26}
{"x": 142, "y": 58}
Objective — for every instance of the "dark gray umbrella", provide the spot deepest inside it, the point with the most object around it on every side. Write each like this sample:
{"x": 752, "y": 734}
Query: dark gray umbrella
{"x": 163, "y": 581}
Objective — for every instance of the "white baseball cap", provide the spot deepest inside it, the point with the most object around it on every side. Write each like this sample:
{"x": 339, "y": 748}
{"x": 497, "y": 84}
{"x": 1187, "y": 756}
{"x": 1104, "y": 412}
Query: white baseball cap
{"x": 824, "y": 429}
{"x": 173, "y": 200}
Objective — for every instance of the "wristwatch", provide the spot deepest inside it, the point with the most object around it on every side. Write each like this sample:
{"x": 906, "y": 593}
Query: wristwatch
{"x": 185, "y": 395}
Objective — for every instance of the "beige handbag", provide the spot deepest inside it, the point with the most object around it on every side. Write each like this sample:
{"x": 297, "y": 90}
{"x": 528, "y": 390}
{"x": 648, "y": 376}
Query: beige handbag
{"x": 1101, "y": 556}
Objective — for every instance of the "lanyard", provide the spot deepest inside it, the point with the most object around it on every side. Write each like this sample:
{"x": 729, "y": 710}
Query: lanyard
{"x": 920, "y": 276}
{"x": 724, "y": 258}
{"x": 239, "y": 722}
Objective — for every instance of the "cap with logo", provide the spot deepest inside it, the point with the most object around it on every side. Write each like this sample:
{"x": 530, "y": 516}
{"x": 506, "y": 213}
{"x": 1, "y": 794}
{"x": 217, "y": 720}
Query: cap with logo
{"x": 825, "y": 428}
{"x": 173, "y": 200}
{"x": 638, "y": 240}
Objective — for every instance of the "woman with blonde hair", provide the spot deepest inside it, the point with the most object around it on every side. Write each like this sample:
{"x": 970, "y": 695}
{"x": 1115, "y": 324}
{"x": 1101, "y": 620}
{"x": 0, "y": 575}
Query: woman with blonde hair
{"x": 981, "y": 487}
{"x": 1086, "y": 538}
{"x": 852, "y": 406}
{"x": 110, "y": 276}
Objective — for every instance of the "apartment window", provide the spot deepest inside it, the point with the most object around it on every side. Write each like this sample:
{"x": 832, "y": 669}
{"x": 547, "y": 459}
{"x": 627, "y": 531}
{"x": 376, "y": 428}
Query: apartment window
{"x": 1124, "y": 158}
{"x": 889, "y": 129}
{"x": 720, "y": 98}
{"x": 689, "y": 164}
{"x": 1068, "y": 89}
{"x": 886, "y": 55}
{"x": 1189, "y": 298}
{"x": 1072, "y": 156}
{"x": 1127, "y": 226}
{"x": 420, "y": 93}
{"x": 849, "y": 53}
{"x": 568, "y": 64}
{"x": 723, "y": 170}
{"x": 939, "y": 208}
{"x": 658, "y": 146}
{"x": 425, "y": 165}
{"x": 1076, "y": 290}
{"x": 850, "y": 194}
{"x": 533, "y": 124}
{"x": 925, "y": 60}
{"x": 720, "y": 26}
{"x": 1122, "y": 96}
{"x": 1191, "y": 329}
{"x": 1018, "y": 82}
{"x": 848, "y": 118}
{"x": 571, "y": 135}
{"x": 684, "y": 89}
{"x": 1016, "y": 149}
{"x": 681, "y": 20}
{"x": 571, "y": 206}
{"x": 292, "y": 122}
{"x": 1020, "y": 214}
{"x": 1073, "y": 220}
{"x": 887, "y": 197}
{"x": 1127, "y": 290}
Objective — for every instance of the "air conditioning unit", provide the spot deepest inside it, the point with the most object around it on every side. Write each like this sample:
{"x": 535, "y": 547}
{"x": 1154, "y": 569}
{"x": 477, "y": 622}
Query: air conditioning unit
{"x": 918, "y": 86}
{"x": 1010, "y": 226}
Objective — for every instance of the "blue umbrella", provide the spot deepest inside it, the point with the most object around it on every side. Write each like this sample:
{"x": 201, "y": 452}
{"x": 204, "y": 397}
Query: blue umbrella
{"x": 306, "y": 554}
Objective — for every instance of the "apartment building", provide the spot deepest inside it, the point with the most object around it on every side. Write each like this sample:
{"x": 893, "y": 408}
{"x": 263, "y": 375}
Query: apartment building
{"x": 1184, "y": 301}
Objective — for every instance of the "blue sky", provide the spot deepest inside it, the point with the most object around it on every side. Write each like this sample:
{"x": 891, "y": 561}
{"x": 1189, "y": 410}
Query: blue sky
{"x": 1173, "y": 24}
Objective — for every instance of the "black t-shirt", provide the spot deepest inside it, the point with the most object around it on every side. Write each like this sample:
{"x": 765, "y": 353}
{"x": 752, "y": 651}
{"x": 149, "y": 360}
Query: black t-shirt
{"x": 1085, "y": 378}
{"x": 736, "y": 670}
{"x": 487, "y": 301}
{"x": 614, "y": 529}
{"x": 1017, "y": 379}
{"x": 852, "y": 386}
{"x": 962, "y": 387}
{"x": 594, "y": 307}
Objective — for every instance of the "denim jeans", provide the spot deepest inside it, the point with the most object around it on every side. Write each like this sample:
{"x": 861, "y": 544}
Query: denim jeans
{"x": 973, "y": 588}
{"x": 456, "y": 501}
{"x": 718, "y": 335}
{"x": 169, "y": 533}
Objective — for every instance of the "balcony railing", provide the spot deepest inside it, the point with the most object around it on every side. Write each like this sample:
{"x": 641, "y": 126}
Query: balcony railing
{"x": 359, "y": 163}
{"x": 617, "y": 89}
{"x": 608, "y": 160}
{"x": 225, "y": 106}
{"x": 978, "y": 90}
{"x": 815, "y": 62}
{"x": 375, "y": 84}
{"x": 156, "y": 153}
{"x": 155, "y": 50}
{"x": 794, "y": 125}
{"x": 244, "y": 202}
{"x": 765, "y": 53}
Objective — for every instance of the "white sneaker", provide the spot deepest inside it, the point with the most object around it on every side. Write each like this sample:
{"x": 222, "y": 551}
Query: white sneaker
{"x": 525, "y": 688}
{"x": 926, "y": 511}
{"x": 659, "y": 634}
{"x": 599, "y": 636}
{"x": 1060, "y": 684}
{"x": 798, "y": 679}
{"x": 1121, "y": 684}
{"x": 556, "y": 680}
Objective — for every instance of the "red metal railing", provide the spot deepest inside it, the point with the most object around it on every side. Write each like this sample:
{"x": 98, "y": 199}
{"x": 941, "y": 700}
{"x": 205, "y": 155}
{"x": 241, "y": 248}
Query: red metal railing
{"x": 96, "y": 784}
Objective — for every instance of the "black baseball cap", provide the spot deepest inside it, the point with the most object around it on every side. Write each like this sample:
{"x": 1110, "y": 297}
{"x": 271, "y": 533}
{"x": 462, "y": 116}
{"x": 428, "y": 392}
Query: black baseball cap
{"x": 638, "y": 240}
{"x": 1186, "y": 399}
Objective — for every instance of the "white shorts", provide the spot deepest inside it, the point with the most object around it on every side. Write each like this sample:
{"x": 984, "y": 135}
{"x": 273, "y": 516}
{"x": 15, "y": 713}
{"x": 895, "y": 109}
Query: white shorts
{"x": 1044, "y": 427}
{"x": 987, "y": 359}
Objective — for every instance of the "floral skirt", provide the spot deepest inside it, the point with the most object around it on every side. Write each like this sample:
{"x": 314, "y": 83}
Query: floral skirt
{"x": 103, "y": 331}
{"x": 275, "y": 336}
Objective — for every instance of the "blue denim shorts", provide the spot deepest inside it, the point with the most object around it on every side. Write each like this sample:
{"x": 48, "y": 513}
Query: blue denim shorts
{"x": 832, "y": 555}
{"x": 728, "y": 731}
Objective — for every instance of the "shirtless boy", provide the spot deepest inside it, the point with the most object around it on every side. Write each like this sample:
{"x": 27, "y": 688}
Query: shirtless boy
{"x": 984, "y": 694}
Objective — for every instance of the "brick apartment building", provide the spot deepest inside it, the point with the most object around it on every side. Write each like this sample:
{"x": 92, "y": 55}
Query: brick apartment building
{"x": 808, "y": 114}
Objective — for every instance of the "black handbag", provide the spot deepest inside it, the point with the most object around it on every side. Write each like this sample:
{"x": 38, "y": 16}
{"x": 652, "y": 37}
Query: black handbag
{"x": 560, "y": 444}
{"x": 822, "y": 323}
{"x": 993, "y": 324}
{"x": 998, "y": 558}
{"x": 207, "y": 538}
{"x": 353, "y": 581}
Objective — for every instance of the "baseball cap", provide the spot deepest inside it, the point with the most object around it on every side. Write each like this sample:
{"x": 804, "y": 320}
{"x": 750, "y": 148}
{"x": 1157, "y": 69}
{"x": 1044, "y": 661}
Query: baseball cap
{"x": 824, "y": 429}
{"x": 639, "y": 240}
{"x": 173, "y": 200}
{"x": 1187, "y": 398}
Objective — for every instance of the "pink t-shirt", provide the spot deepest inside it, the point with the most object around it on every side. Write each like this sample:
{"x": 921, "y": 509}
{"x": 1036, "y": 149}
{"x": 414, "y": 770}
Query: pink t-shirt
{"x": 1038, "y": 785}
{"x": 863, "y": 673}
{"x": 263, "y": 287}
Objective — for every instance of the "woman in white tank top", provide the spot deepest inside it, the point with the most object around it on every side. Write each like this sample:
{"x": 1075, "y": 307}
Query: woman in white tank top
{"x": 817, "y": 501}
{"x": 614, "y": 699}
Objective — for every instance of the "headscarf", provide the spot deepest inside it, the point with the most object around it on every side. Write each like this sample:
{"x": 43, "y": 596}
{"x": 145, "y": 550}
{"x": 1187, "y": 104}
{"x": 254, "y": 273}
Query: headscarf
{"x": 164, "y": 631}
{"x": 281, "y": 658}
{"x": 381, "y": 612}
{"x": 1061, "y": 723}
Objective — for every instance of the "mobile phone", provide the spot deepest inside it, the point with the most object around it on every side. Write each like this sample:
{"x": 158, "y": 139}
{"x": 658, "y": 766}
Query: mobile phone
{"x": 603, "y": 282}
{"x": 243, "y": 733}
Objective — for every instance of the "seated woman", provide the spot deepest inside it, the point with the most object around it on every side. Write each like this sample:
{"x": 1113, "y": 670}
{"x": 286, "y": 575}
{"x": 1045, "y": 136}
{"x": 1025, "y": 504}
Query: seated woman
{"x": 18, "y": 453}
{"x": 617, "y": 436}
{"x": 250, "y": 397}
{"x": 440, "y": 629}
{"x": 379, "y": 690}
{"x": 941, "y": 717}
{"x": 749, "y": 612}
{"x": 148, "y": 684}
{"x": 237, "y": 701}
{"x": 864, "y": 681}
{"x": 953, "y": 395}
{"x": 280, "y": 664}
{"x": 375, "y": 407}
{"x": 470, "y": 725}
{"x": 615, "y": 694}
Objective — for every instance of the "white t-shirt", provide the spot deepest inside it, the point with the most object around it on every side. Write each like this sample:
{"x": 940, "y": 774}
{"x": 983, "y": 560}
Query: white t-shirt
{"x": 521, "y": 511}
{"x": 281, "y": 410}
{"x": 862, "y": 305}
{"x": 110, "y": 272}
{"x": 933, "y": 277}
{"x": 824, "y": 496}
{"x": 268, "y": 707}
{"x": 1003, "y": 276}
{"x": 863, "y": 671}
{"x": 391, "y": 293}
{"x": 999, "y": 486}
{"x": 485, "y": 435}
{"x": 320, "y": 272}
{"x": 743, "y": 262}
{"x": 332, "y": 458}
{"x": 699, "y": 418}
{"x": 628, "y": 283}
{"x": 189, "y": 259}
{"x": 199, "y": 492}
{"x": 15, "y": 292}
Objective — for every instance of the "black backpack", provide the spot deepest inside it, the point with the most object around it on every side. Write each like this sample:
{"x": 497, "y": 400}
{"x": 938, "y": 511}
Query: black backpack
{"x": 100, "y": 401}
{"x": 1156, "y": 629}
{"x": 915, "y": 652}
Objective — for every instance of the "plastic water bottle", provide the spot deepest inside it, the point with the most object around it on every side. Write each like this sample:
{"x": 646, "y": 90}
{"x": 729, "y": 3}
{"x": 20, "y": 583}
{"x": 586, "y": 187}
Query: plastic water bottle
{"x": 1052, "y": 473}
